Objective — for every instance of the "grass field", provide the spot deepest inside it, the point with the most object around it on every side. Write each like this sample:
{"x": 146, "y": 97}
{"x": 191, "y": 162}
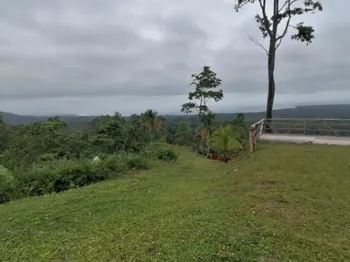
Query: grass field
{"x": 285, "y": 202}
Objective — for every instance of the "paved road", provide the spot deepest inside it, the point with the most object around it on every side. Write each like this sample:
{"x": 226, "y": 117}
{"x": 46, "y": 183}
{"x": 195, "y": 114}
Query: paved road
{"x": 321, "y": 140}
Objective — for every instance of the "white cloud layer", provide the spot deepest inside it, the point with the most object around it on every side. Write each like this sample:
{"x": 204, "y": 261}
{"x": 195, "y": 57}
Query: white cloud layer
{"x": 92, "y": 57}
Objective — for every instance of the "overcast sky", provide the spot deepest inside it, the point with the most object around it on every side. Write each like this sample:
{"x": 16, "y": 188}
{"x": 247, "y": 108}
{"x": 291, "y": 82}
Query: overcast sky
{"x": 93, "y": 57}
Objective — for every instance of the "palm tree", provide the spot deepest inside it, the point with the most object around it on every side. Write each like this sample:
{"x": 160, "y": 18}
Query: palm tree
{"x": 135, "y": 137}
{"x": 224, "y": 140}
{"x": 151, "y": 121}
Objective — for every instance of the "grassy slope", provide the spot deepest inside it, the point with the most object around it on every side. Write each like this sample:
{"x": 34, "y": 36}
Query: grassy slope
{"x": 283, "y": 202}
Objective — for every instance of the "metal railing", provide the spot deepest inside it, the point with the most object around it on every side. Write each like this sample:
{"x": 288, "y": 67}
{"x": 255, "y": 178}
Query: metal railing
{"x": 299, "y": 126}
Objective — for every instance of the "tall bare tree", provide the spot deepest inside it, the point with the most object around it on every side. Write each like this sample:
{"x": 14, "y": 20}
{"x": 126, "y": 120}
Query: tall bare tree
{"x": 274, "y": 21}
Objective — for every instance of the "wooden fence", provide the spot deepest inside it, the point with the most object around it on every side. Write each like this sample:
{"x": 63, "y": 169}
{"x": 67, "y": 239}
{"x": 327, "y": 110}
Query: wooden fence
{"x": 299, "y": 126}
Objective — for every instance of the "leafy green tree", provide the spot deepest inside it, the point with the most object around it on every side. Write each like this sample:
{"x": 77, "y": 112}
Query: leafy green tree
{"x": 109, "y": 133}
{"x": 54, "y": 123}
{"x": 28, "y": 143}
{"x": 206, "y": 88}
{"x": 77, "y": 146}
{"x": 270, "y": 23}
{"x": 206, "y": 84}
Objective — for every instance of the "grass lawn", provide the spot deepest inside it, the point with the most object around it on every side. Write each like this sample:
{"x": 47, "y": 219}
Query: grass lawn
{"x": 285, "y": 202}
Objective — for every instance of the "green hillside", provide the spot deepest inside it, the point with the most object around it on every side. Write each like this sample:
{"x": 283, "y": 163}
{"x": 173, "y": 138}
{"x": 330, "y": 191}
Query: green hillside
{"x": 283, "y": 203}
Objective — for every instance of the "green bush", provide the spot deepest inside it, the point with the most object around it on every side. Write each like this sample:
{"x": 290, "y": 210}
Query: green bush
{"x": 7, "y": 185}
{"x": 7, "y": 189}
{"x": 59, "y": 176}
{"x": 48, "y": 157}
{"x": 115, "y": 163}
{"x": 166, "y": 155}
{"x": 137, "y": 162}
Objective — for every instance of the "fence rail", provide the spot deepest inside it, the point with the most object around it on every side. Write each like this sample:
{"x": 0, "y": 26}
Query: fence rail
{"x": 299, "y": 126}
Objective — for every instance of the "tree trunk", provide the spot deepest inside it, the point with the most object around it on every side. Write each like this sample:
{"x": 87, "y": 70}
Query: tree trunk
{"x": 271, "y": 91}
{"x": 208, "y": 148}
{"x": 271, "y": 72}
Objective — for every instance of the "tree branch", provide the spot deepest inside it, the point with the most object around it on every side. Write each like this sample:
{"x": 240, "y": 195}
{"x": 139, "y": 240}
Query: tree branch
{"x": 266, "y": 22}
{"x": 283, "y": 6}
{"x": 289, "y": 2}
{"x": 278, "y": 43}
{"x": 258, "y": 44}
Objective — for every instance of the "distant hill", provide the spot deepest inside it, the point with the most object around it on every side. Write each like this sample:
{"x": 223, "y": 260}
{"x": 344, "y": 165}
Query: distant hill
{"x": 312, "y": 111}
{"x": 73, "y": 121}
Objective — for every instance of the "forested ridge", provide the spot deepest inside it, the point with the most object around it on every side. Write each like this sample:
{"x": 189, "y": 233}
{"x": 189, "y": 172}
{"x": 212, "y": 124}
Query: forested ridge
{"x": 309, "y": 111}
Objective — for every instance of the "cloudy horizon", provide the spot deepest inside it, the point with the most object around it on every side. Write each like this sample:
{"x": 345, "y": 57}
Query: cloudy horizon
{"x": 98, "y": 57}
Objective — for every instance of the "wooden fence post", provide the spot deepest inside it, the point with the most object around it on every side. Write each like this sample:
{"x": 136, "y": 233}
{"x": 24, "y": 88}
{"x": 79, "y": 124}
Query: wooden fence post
{"x": 251, "y": 140}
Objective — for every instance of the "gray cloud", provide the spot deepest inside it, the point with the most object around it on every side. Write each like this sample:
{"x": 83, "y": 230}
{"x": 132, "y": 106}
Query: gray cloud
{"x": 79, "y": 53}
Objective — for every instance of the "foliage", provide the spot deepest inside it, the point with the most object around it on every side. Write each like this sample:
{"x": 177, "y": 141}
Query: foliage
{"x": 137, "y": 162}
{"x": 7, "y": 185}
{"x": 269, "y": 25}
{"x": 151, "y": 121}
{"x": 48, "y": 140}
{"x": 240, "y": 126}
{"x": 225, "y": 141}
{"x": 184, "y": 134}
{"x": 28, "y": 143}
{"x": 60, "y": 175}
{"x": 45, "y": 158}
{"x": 205, "y": 84}
{"x": 109, "y": 132}
{"x": 115, "y": 163}
{"x": 205, "y": 130}
{"x": 166, "y": 154}
{"x": 136, "y": 138}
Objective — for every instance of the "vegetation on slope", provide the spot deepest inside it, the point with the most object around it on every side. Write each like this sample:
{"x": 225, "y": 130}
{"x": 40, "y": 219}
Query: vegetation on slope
{"x": 283, "y": 203}
{"x": 44, "y": 158}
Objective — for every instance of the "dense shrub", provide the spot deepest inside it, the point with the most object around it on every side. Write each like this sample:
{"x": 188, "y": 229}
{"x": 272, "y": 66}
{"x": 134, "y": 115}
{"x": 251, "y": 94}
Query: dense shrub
{"x": 59, "y": 176}
{"x": 7, "y": 189}
{"x": 137, "y": 162}
{"x": 115, "y": 163}
{"x": 166, "y": 154}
